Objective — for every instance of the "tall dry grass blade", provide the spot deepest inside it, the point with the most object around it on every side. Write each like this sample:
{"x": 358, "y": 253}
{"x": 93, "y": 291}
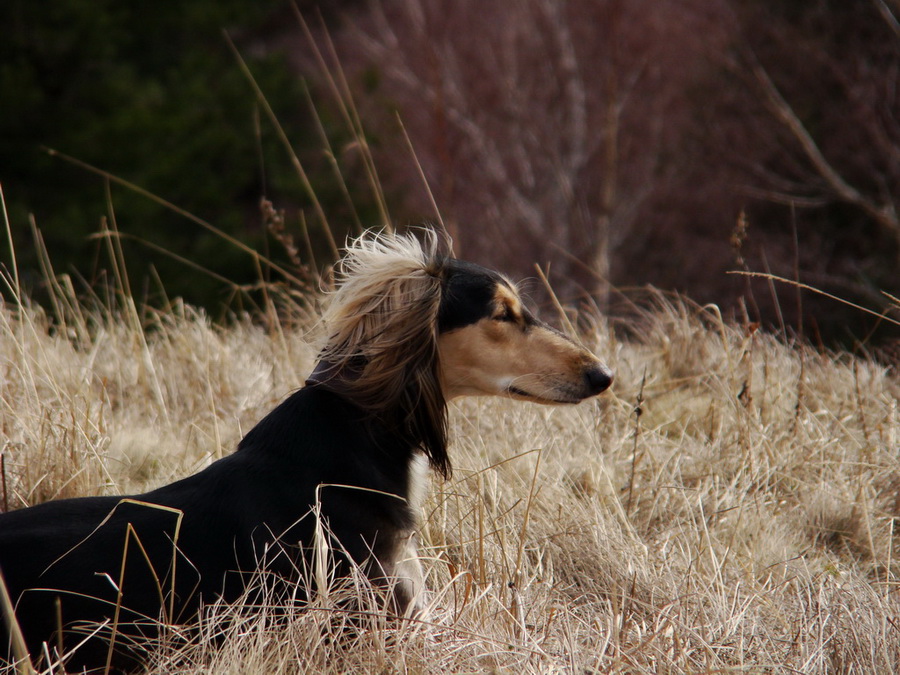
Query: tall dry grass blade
{"x": 286, "y": 142}
{"x": 110, "y": 651}
{"x": 128, "y": 305}
{"x": 270, "y": 264}
{"x": 54, "y": 291}
{"x": 19, "y": 650}
{"x": 116, "y": 255}
{"x": 57, "y": 609}
{"x": 16, "y": 286}
{"x": 3, "y": 488}
{"x": 359, "y": 131}
{"x": 776, "y": 302}
{"x": 799, "y": 294}
{"x": 321, "y": 552}
{"x": 560, "y": 310}
{"x": 722, "y": 329}
{"x": 523, "y": 530}
{"x": 106, "y": 233}
{"x": 342, "y": 95}
{"x": 307, "y": 242}
{"x": 773, "y": 277}
{"x": 893, "y": 298}
{"x": 638, "y": 413}
{"x": 332, "y": 160}
{"x": 421, "y": 172}
{"x": 131, "y": 533}
{"x": 19, "y": 323}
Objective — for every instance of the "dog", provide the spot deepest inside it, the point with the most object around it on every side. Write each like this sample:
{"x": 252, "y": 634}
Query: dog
{"x": 409, "y": 328}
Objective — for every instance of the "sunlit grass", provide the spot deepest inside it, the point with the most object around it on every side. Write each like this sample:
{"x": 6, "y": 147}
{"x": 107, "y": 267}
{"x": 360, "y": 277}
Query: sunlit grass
{"x": 744, "y": 520}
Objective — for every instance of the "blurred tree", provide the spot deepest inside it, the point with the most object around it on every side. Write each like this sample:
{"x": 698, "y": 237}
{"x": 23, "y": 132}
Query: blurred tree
{"x": 617, "y": 142}
{"x": 542, "y": 125}
{"x": 808, "y": 132}
{"x": 149, "y": 92}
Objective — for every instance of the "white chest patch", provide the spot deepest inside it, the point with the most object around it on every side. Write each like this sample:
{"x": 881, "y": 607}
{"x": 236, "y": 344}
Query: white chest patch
{"x": 418, "y": 482}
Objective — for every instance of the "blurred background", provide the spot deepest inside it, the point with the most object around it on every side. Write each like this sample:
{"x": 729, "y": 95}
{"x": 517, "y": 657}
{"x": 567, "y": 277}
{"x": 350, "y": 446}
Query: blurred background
{"x": 613, "y": 143}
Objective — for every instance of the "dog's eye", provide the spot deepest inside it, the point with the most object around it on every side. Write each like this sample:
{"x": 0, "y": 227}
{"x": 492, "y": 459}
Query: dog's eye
{"x": 505, "y": 314}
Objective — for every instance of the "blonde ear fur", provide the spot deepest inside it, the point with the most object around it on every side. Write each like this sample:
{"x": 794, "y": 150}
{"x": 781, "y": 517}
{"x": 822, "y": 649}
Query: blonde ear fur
{"x": 382, "y": 325}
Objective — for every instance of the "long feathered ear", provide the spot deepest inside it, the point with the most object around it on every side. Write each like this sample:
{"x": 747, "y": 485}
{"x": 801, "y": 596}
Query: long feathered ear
{"x": 382, "y": 326}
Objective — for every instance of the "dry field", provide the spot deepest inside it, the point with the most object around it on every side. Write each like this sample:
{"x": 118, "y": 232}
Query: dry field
{"x": 743, "y": 522}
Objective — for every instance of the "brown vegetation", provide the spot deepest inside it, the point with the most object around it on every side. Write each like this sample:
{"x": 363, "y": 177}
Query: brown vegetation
{"x": 732, "y": 506}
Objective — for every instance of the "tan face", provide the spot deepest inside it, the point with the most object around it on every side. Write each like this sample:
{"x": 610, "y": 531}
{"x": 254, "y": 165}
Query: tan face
{"x": 511, "y": 353}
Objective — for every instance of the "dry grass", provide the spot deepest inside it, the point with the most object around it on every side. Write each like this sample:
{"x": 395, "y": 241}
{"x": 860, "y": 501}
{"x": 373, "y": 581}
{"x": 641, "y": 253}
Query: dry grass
{"x": 744, "y": 521}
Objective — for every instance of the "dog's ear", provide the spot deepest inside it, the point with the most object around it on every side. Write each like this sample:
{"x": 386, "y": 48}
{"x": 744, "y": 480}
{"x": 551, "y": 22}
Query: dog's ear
{"x": 383, "y": 329}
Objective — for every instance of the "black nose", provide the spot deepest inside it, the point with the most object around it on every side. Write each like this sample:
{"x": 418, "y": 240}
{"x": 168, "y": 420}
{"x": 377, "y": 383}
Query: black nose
{"x": 598, "y": 379}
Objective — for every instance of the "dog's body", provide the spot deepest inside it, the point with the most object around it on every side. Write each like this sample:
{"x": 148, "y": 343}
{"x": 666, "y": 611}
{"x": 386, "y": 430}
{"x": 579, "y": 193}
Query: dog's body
{"x": 234, "y": 513}
{"x": 409, "y": 330}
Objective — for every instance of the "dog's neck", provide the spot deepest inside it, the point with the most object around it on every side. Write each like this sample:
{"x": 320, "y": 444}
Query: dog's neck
{"x": 421, "y": 427}
{"x": 333, "y": 377}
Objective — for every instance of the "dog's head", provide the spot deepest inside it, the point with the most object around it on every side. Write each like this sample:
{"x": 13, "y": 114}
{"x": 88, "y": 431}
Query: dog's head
{"x": 411, "y": 327}
{"x": 490, "y": 344}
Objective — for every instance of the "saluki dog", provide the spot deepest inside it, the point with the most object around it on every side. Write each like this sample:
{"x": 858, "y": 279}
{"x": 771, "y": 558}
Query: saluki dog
{"x": 409, "y": 328}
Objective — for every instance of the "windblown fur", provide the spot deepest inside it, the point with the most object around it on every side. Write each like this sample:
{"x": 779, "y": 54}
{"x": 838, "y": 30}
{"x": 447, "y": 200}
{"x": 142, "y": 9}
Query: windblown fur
{"x": 383, "y": 331}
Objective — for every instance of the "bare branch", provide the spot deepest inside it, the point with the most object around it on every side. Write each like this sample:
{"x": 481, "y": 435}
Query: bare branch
{"x": 884, "y": 214}
{"x": 888, "y": 16}
{"x": 573, "y": 82}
